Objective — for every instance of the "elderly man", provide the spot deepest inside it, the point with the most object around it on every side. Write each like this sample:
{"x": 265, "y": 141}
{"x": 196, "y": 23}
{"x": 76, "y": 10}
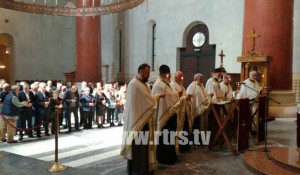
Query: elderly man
{"x": 200, "y": 103}
{"x": 166, "y": 117}
{"x": 88, "y": 102}
{"x": 11, "y": 109}
{"x": 26, "y": 112}
{"x": 184, "y": 122}
{"x": 71, "y": 103}
{"x": 250, "y": 89}
{"x": 139, "y": 117}
{"x": 43, "y": 111}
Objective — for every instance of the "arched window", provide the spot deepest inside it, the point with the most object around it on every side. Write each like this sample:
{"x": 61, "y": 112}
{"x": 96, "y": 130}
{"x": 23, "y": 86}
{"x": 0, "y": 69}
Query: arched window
{"x": 153, "y": 46}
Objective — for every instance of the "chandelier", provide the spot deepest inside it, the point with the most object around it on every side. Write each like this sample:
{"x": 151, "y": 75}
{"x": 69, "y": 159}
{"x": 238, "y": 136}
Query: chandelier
{"x": 70, "y": 9}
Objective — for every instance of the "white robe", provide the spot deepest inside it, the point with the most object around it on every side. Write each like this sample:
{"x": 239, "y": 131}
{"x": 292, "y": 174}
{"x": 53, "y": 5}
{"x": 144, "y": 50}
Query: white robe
{"x": 252, "y": 94}
{"x": 226, "y": 89}
{"x": 246, "y": 92}
{"x": 168, "y": 106}
{"x": 185, "y": 107}
{"x": 140, "y": 109}
{"x": 213, "y": 87}
{"x": 200, "y": 100}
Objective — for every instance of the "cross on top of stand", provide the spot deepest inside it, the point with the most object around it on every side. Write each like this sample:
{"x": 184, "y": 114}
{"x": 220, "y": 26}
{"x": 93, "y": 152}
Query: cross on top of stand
{"x": 221, "y": 56}
{"x": 252, "y": 37}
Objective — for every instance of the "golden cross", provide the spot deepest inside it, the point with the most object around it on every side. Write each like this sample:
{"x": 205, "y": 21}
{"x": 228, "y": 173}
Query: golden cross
{"x": 221, "y": 55}
{"x": 252, "y": 37}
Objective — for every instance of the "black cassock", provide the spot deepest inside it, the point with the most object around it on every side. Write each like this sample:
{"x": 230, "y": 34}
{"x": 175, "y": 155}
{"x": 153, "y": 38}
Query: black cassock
{"x": 166, "y": 153}
{"x": 139, "y": 165}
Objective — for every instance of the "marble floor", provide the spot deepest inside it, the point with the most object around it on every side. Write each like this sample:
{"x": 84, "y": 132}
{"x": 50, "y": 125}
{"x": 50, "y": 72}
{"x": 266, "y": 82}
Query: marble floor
{"x": 96, "y": 151}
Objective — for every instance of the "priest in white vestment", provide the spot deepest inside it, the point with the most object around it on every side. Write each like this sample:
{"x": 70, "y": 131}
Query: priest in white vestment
{"x": 166, "y": 117}
{"x": 213, "y": 88}
{"x": 184, "y": 122}
{"x": 226, "y": 87}
{"x": 139, "y": 117}
{"x": 251, "y": 89}
{"x": 200, "y": 103}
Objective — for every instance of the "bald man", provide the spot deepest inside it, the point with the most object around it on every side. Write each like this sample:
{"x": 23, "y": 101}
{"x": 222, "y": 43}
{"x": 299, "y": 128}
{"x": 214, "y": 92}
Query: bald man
{"x": 184, "y": 122}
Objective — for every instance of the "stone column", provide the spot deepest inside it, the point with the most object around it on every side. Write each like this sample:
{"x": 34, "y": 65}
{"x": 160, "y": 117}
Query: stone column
{"x": 273, "y": 19}
{"x": 88, "y": 45}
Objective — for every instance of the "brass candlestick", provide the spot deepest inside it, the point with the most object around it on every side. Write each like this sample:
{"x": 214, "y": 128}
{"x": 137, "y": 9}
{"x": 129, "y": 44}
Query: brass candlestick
{"x": 57, "y": 167}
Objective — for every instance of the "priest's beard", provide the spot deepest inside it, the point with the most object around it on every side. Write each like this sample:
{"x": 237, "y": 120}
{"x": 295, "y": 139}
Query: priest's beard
{"x": 145, "y": 79}
{"x": 167, "y": 80}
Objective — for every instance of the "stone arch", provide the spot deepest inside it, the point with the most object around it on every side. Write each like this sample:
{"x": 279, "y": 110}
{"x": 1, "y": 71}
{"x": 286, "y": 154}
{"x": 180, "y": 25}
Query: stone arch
{"x": 6, "y": 57}
{"x": 187, "y": 30}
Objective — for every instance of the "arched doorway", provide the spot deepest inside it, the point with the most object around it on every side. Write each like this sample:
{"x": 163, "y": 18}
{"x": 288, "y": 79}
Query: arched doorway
{"x": 6, "y": 58}
{"x": 198, "y": 56}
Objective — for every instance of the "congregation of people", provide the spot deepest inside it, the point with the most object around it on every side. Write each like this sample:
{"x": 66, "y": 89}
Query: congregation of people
{"x": 167, "y": 106}
{"x": 31, "y": 109}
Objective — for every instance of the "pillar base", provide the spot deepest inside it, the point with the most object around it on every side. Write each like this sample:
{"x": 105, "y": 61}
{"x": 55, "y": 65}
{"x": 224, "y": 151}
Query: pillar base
{"x": 287, "y": 107}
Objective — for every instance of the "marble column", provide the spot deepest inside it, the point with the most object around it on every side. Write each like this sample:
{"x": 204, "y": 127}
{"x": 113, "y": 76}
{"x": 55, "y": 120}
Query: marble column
{"x": 273, "y": 20}
{"x": 298, "y": 129}
{"x": 88, "y": 45}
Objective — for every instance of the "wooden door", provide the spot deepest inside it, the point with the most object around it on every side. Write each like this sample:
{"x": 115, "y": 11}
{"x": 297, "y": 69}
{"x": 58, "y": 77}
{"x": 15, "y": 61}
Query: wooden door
{"x": 197, "y": 59}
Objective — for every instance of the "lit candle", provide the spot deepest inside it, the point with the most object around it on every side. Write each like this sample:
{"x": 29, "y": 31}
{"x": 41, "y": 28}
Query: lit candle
{"x": 166, "y": 83}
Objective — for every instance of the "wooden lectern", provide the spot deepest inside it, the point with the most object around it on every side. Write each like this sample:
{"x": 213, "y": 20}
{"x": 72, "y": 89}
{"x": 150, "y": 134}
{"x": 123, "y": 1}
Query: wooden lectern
{"x": 260, "y": 63}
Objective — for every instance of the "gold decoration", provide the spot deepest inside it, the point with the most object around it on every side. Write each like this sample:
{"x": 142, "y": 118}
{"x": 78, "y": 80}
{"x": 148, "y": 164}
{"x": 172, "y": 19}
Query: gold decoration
{"x": 35, "y": 8}
{"x": 252, "y": 36}
{"x": 57, "y": 167}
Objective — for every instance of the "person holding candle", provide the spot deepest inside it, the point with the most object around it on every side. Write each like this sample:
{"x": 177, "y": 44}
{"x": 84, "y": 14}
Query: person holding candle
{"x": 26, "y": 112}
{"x": 200, "y": 103}
{"x": 71, "y": 103}
{"x": 43, "y": 111}
{"x": 139, "y": 116}
{"x": 166, "y": 119}
{"x": 185, "y": 119}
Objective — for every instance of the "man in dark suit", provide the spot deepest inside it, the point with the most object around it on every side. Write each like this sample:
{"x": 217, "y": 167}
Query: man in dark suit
{"x": 71, "y": 103}
{"x": 26, "y": 112}
{"x": 43, "y": 111}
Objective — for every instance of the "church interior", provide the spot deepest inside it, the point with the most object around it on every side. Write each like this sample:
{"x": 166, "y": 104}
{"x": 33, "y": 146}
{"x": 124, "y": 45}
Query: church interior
{"x": 106, "y": 40}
